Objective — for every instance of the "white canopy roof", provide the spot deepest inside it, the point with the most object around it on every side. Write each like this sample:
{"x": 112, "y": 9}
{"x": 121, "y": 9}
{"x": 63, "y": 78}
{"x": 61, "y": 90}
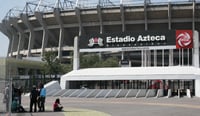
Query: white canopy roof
{"x": 132, "y": 73}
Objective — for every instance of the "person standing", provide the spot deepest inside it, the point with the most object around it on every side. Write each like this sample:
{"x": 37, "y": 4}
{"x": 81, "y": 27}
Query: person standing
{"x": 33, "y": 99}
{"x": 6, "y": 97}
{"x": 42, "y": 98}
{"x": 20, "y": 91}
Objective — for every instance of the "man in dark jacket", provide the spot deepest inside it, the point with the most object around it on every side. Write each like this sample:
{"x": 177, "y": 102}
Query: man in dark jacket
{"x": 33, "y": 99}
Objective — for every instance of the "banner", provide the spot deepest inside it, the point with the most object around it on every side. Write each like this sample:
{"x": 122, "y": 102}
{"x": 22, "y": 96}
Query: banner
{"x": 178, "y": 38}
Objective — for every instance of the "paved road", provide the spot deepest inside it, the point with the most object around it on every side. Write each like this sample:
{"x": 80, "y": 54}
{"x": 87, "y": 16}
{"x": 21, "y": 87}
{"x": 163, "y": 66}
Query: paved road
{"x": 139, "y": 107}
{"x": 122, "y": 107}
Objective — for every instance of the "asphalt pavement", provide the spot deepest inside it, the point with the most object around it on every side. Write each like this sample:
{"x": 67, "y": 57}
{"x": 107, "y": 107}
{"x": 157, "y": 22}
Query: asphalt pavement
{"x": 119, "y": 107}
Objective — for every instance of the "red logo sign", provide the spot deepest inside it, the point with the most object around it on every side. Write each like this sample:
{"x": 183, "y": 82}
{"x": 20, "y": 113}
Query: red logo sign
{"x": 95, "y": 41}
{"x": 184, "y": 39}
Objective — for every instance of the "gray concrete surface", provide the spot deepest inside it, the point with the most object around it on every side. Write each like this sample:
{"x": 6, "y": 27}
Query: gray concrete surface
{"x": 120, "y": 107}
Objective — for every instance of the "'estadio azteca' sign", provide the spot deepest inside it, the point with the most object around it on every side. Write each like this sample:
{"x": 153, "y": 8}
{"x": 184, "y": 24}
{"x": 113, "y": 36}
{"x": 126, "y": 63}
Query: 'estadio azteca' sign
{"x": 180, "y": 38}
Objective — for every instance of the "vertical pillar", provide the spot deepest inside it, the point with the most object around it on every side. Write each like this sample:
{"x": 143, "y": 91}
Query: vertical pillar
{"x": 163, "y": 57}
{"x": 122, "y": 55}
{"x": 20, "y": 45}
{"x": 30, "y": 43}
{"x": 145, "y": 58}
{"x": 100, "y": 18}
{"x": 76, "y": 54}
{"x": 196, "y": 49}
{"x": 149, "y": 58}
{"x": 196, "y": 60}
{"x": 146, "y": 28}
{"x": 44, "y": 41}
{"x": 61, "y": 36}
{"x": 142, "y": 58}
{"x": 62, "y": 31}
{"x": 171, "y": 57}
{"x": 25, "y": 20}
{"x": 155, "y": 57}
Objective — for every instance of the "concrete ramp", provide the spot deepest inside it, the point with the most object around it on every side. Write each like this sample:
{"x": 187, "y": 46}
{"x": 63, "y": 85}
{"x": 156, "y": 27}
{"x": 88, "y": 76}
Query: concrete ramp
{"x": 141, "y": 93}
{"x": 52, "y": 86}
{"x": 160, "y": 93}
{"x": 122, "y": 93}
{"x": 151, "y": 93}
{"x": 132, "y": 93}
{"x": 113, "y": 93}
{"x": 94, "y": 93}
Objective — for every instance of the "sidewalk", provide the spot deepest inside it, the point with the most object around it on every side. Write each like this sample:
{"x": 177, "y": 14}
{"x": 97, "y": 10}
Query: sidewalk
{"x": 46, "y": 113}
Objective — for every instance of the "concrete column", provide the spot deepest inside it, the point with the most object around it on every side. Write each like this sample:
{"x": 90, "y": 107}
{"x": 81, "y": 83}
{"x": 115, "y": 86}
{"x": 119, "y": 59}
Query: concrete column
{"x": 171, "y": 57}
{"x": 122, "y": 17}
{"x": 81, "y": 30}
{"x": 44, "y": 41}
{"x": 100, "y": 18}
{"x": 163, "y": 57}
{"x": 155, "y": 57}
{"x": 20, "y": 45}
{"x": 148, "y": 58}
{"x": 61, "y": 35}
{"x": 76, "y": 54}
{"x": 145, "y": 58}
{"x": 122, "y": 55}
{"x": 196, "y": 49}
{"x": 13, "y": 23}
{"x": 196, "y": 60}
{"x": 39, "y": 17}
{"x": 197, "y": 88}
{"x": 142, "y": 58}
{"x": 13, "y": 44}
{"x": 31, "y": 42}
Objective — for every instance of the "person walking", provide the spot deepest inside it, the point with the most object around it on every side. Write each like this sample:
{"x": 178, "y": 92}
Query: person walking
{"x": 33, "y": 99}
{"x": 42, "y": 98}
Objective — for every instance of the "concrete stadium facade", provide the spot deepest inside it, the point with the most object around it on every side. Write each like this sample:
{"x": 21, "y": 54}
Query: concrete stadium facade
{"x": 53, "y": 28}
{"x": 33, "y": 32}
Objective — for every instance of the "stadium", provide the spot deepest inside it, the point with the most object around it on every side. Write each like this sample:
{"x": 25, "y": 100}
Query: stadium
{"x": 156, "y": 41}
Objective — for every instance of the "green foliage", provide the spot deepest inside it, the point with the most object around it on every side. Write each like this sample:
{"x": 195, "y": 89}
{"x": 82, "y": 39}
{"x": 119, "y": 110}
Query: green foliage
{"x": 52, "y": 65}
{"x": 94, "y": 61}
{"x": 87, "y": 61}
{"x": 110, "y": 62}
{"x": 66, "y": 68}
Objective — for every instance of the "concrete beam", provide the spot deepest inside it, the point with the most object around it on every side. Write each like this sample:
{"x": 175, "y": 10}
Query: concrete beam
{"x": 169, "y": 16}
{"x": 31, "y": 42}
{"x": 81, "y": 30}
{"x": 122, "y": 18}
{"x": 13, "y": 37}
{"x": 61, "y": 34}
{"x": 39, "y": 17}
{"x": 99, "y": 11}
{"x": 13, "y": 23}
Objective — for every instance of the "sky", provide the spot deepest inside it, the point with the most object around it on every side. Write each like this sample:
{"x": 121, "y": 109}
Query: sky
{"x": 5, "y": 6}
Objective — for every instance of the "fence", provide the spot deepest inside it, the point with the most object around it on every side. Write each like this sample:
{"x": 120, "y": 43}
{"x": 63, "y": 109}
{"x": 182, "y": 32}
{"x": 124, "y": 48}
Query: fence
{"x": 5, "y": 96}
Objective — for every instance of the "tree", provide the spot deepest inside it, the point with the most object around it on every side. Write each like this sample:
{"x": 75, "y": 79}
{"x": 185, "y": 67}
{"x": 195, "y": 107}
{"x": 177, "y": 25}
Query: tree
{"x": 94, "y": 61}
{"x": 52, "y": 65}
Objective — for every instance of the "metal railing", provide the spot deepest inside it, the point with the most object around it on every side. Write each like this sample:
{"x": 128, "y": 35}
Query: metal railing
{"x": 42, "y": 6}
